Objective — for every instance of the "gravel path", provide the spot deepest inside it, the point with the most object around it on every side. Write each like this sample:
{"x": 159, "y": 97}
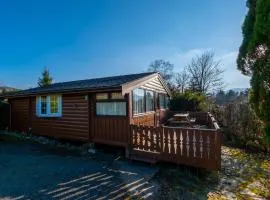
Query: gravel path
{"x": 34, "y": 171}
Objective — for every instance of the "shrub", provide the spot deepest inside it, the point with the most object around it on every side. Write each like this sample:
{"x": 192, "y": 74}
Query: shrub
{"x": 4, "y": 115}
{"x": 188, "y": 101}
{"x": 240, "y": 126}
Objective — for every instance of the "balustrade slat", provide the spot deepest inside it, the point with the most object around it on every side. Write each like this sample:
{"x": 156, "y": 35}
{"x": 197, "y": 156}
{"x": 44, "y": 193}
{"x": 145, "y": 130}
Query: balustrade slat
{"x": 184, "y": 143}
{"x": 152, "y": 142}
{"x": 195, "y": 147}
{"x": 166, "y": 142}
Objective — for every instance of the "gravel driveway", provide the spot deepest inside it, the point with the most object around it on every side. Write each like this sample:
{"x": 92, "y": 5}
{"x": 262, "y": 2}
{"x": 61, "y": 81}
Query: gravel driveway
{"x": 34, "y": 171}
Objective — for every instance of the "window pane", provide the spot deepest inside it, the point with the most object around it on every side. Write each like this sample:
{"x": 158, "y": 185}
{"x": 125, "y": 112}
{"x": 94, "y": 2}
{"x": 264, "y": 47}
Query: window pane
{"x": 43, "y": 106}
{"x": 111, "y": 108}
{"x": 161, "y": 100}
{"x": 138, "y": 101}
{"x": 54, "y": 104}
{"x": 101, "y": 96}
{"x": 149, "y": 101}
{"x": 117, "y": 95}
{"x": 167, "y": 102}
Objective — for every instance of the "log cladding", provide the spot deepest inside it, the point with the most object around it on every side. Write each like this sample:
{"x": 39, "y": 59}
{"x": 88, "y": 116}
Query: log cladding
{"x": 20, "y": 113}
{"x": 112, "y": 130}
{"x": 73, "y": 124}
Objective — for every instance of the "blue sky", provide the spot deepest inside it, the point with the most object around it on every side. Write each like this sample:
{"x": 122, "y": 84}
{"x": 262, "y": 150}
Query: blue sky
{"x": 85, "y": 39}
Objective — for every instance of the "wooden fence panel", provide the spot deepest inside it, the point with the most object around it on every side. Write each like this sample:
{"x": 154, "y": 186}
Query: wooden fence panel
{"x": 198, "y": 148}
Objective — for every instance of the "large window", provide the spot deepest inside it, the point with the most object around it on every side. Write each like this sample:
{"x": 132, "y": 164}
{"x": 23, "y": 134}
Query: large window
{"x": 49, "y": 106}
{"x": 143, "y": 101}
{"x": 111, "y": 108}
{"x": 163, "y": 101}
{"x": 110, "y": 104}
{"x": 149, "y": 101}
{"x": 138, "y": 101}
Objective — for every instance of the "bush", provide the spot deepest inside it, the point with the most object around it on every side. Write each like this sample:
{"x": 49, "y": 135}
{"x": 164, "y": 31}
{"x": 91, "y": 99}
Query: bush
{"x": 240, "y": 126}
{"x": 188, "y": 101}
{"x": 4, "y": 115}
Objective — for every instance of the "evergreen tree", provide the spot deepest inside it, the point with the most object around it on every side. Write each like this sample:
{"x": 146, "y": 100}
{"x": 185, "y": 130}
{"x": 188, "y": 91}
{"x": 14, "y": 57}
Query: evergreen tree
{"x": 46, "y": 79}
{"x": 254, "y": 58}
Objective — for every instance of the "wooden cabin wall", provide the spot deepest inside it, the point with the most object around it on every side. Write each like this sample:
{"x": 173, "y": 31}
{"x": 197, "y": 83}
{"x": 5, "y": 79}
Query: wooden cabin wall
{"x": 164, "y": 115}
{"x": 20, "y": 114}
{"x": 147, "y": 119}
{"x": 73, "y": 124}
{"x": 112, "y": 130}
{"x": 151, "y": 119}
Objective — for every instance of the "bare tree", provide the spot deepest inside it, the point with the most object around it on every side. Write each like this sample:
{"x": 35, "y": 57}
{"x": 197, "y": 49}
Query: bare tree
{"x": 165, "y": 68}
{"x": 182, "y": 80}
{"x": 205, "y": 72}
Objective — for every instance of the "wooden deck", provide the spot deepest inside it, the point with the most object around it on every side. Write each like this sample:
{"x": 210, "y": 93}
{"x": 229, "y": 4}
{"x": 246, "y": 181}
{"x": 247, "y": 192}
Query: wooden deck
{"x": 188, "y": 146}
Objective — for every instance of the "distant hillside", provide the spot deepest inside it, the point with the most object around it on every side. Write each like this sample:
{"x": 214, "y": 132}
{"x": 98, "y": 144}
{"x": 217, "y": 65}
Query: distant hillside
{"x": 232, "y": 95}
{"x": 7, "y": 89}
{"x": 238, "y": 90}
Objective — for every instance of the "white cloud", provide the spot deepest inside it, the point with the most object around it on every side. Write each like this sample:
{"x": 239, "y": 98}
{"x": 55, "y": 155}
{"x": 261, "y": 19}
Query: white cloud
{"x": 138, "y": 59}
{"x": 232, "y": 76}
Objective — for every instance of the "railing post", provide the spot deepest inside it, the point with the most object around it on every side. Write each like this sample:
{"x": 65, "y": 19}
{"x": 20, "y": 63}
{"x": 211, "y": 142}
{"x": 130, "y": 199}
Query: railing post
{"x": 218, "y": 149}
{"x": 162, "y": 138}
{"x": 129, "y": 145}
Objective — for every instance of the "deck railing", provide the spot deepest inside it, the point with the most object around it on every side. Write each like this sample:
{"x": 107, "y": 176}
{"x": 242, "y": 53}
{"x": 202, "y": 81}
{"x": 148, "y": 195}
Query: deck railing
{"x": 188, "y": 146}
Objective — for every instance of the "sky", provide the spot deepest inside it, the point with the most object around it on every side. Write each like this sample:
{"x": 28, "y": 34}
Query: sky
{"x": 81, "y": 39}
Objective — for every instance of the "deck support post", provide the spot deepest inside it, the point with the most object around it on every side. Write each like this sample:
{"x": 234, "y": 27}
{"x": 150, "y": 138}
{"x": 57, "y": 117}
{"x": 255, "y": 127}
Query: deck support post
{"x": 127, "y": 152}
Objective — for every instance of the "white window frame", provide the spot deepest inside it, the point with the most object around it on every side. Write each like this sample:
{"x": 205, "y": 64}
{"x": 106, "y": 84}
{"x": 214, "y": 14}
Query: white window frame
{"x": 48, "y": 107}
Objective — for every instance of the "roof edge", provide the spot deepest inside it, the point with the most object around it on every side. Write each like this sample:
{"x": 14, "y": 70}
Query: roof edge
{"x": 127, "y": 87}
{"x": 67, "y": 91}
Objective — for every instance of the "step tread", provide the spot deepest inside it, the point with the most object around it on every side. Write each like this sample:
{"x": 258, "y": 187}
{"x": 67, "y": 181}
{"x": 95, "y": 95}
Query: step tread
{"x": 143, "y": 159}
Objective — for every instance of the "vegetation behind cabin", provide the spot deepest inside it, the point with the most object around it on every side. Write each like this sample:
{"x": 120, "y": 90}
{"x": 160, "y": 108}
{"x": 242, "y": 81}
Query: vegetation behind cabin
{"x": 4, "y": 115}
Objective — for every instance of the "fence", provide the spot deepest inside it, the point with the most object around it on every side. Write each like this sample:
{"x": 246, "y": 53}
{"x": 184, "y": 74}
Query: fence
{"x": 188, "y": 146}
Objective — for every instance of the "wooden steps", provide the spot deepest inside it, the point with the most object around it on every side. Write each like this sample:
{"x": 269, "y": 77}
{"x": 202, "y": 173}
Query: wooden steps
{"x": 143, "y": 159}
{"x": 144, "y": 156}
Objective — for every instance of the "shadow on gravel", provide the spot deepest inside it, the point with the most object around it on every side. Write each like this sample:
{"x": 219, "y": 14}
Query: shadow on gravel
{"x": 34, "y": 171}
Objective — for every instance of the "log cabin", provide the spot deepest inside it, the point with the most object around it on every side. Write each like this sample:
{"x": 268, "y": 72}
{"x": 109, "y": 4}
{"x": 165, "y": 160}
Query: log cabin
{"x": 98, "y": 110}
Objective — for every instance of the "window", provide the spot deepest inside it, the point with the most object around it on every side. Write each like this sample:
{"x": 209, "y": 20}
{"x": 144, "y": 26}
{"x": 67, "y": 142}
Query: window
{"x": 117, "y": 95}
{"x": 43, "y": 102}
{"x": 112, "y": 104}
{"x": 149, "y": 101}
{"x": 54, "y": 106}
{"x": 167, "y": 102}
{"x": 138, "y": 101}
{"x": 49, "y": 106}
{"x": 111, "y": 108}
{"x": 163, "y": 101}
{"x": 101, "y": 96}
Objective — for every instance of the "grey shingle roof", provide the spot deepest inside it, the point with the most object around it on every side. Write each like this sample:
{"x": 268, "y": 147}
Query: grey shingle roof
{"x": 87, "y": 84}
